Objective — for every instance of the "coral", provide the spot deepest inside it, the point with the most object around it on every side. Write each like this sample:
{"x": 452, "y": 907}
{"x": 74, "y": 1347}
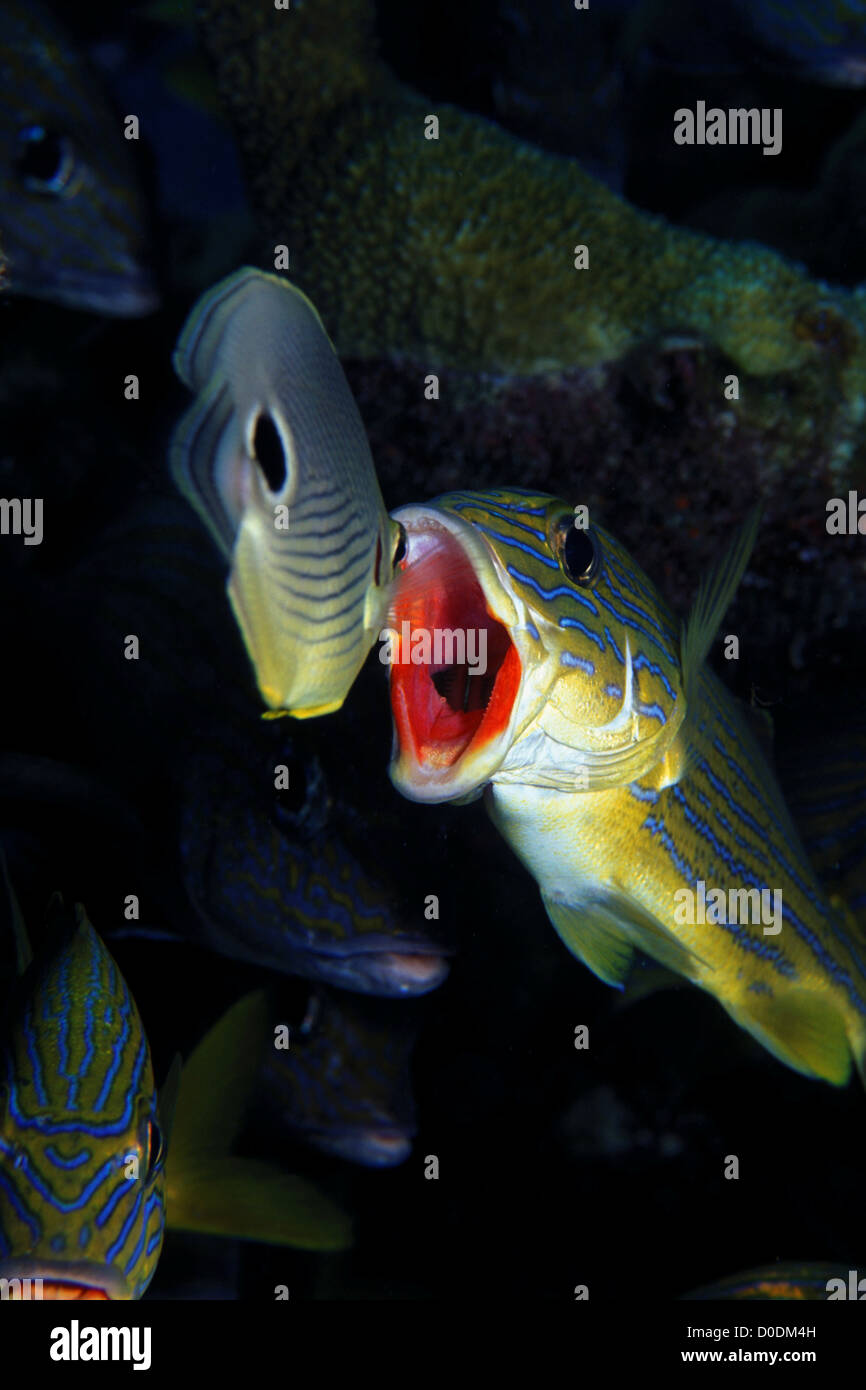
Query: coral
{"x": 459, "y": 251}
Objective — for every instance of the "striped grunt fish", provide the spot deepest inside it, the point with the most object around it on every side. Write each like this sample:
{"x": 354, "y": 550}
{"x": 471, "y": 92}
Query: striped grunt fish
{"x": 72, "y": 220}
{"x": 274, "y": 458}
{"x": 619, "y": 768}
{"x": 92, "y": 1163}
{"x": 280, "y": 888}
{"x": 343, "y": 1084}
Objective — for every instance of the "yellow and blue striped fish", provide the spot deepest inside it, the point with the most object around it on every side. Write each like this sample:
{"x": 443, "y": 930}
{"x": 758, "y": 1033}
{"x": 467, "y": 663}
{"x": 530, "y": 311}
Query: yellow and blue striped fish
{"x": 619, "y": 769}
{"x": 274, "y": 458}
{"x": 343, "y": 1085}
{"x": 85, "y": 1185}
{"x": 73, "y": 223}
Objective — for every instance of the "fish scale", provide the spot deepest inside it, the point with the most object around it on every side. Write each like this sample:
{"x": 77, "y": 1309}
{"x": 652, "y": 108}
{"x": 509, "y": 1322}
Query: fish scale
{"x": 624, "y": 772}
{"x": 71, "y": 1093}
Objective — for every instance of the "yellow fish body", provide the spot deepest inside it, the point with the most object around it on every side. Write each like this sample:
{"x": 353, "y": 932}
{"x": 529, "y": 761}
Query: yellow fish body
{"x": 274, "y": 458}
{"x": 618, "y": 767}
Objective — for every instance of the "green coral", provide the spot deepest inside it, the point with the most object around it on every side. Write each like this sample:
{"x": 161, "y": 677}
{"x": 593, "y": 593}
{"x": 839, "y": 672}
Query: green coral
{"x": 460, "y": 251}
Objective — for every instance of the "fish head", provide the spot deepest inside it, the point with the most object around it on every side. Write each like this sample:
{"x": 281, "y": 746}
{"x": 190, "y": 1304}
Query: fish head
{"x": 286, "y": 885}
{"x": 581, "y": 682}
{"x": 343, "y": 1086}
{"x": 81, "y": 1148}
{"x": 74, "y": 226}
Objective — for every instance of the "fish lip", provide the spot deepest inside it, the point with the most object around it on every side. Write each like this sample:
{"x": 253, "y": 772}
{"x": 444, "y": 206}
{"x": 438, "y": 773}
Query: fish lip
{"x": 91, "y": 1279}
{"x": 463, "y": 771}
{"x": 397, "y": 971}
{"x": 372, "y": 1146}
{"x": 130, "y": 292}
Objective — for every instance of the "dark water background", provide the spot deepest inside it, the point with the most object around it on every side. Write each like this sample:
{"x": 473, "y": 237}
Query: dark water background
{"x": 558, "y": 1167}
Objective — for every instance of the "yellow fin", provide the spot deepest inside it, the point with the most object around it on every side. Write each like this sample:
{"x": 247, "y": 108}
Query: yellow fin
{"x": 605, "y": 931}
{"x": 216, "y": 1082}
{"x": 212, "y": 1191}
{"x": 802, "y": 1029}
{"x": 249, "y": 1200}
{"x": 606, "y": 952}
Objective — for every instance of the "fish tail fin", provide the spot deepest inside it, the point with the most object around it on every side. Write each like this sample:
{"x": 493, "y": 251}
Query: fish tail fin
{"x": 214, "y": 1192}
{"x": 805, "y": 1030}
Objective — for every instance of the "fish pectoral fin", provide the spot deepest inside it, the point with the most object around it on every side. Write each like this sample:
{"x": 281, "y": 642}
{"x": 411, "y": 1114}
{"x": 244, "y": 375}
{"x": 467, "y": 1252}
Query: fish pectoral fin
{"x": 248, "y": 1200}
{"x": 604, "y": 932}
{"x": 603, "y": 949}
{"x": 804, "y": 1030}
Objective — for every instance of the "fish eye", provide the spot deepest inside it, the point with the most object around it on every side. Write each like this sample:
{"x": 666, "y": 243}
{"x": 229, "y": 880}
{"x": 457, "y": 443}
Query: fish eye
{"x": 579, "y": 553}
{"x": 46, "y": 160}
{"x": 269, "y": 453}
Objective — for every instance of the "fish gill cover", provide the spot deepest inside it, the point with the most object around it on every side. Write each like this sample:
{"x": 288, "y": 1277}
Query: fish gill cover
{"x": 405, "y": 406}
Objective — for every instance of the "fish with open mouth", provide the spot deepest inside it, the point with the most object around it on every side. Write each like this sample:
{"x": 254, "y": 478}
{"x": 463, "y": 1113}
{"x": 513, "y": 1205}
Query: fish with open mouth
{"x": 93, "y": 1163}
{"x": 619, "y": 768}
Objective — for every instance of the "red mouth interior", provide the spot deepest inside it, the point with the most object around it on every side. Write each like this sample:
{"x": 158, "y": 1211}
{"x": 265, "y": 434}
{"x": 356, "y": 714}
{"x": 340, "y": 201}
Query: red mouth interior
{"x": 439, "y": 710}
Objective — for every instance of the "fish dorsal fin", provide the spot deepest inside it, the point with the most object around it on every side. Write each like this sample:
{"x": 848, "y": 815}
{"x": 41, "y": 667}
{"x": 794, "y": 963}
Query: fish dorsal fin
{"x": 713, "y": 599}
{"x": 23, "y": 951}
{"x": 214, "y": 1192}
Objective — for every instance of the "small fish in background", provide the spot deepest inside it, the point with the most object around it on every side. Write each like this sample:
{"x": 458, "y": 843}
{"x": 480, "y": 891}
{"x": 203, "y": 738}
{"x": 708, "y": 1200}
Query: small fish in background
{"x": 92, "y": 1163}
{"x": 274, "y": 458}
{"x": 72, "y": 219}
{"x": 788, "y": 1282}
{"x": 342, "y": 1085}
{"x": 618, "y": 767}
{"x": 820, "y": 40}
{"x": 274, "y": 884}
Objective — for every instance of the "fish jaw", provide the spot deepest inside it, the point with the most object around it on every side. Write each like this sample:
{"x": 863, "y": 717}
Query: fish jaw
{"x": 62, "y": 1281}
{"x": 449, "y": 738}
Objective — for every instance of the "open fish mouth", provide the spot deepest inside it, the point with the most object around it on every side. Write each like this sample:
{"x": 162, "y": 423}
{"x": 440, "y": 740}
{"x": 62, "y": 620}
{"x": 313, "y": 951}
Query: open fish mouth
{"x": 453, "y": 704}
{"x": 57, "y": 1289}
{"x": 37, "y": 1281}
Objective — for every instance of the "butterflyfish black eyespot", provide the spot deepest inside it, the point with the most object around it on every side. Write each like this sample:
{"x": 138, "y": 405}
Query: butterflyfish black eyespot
{"x": 269, "y": 453}
{"x": 46, "y": 160}
{"x": 580, "y": 555}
